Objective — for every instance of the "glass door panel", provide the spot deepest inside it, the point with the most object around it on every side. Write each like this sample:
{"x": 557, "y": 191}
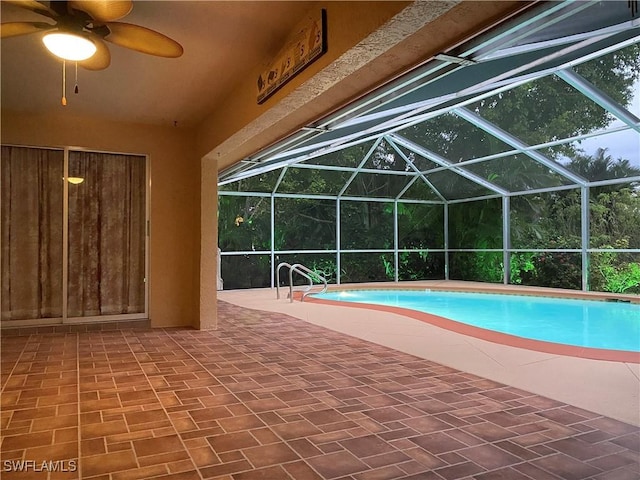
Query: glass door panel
{"x": 106, "y": 239}
{"x": 32, "y": 233}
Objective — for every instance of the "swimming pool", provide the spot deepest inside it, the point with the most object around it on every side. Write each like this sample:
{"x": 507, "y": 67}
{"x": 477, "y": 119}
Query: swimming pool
{"x": 577, "y": 323}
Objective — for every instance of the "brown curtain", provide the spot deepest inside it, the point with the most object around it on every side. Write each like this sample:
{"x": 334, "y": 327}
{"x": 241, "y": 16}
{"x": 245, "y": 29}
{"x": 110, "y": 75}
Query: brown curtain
{"x": 106, "y": 234}
{"x": 32, "y": 205}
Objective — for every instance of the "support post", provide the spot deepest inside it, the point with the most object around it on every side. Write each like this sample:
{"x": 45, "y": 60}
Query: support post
{"x": 446, "y": 240}
{"x": 506, "y": 240}
{"x": 272, "y": 238}
{"x": 395, "y": 241}
{"x": 338, "y": 268}
{"x": 208, "y": 305}
{"x": 585, "y": 230}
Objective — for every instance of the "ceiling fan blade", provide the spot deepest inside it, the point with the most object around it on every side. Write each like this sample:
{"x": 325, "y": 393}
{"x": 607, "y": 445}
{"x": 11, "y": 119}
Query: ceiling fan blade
{"x": 13, "y": 29}
{"x": 99, "y": 60}
{"x": 34, "y": 6}
{"x": 143, "y": 40}
{"x": 103, "y": 10}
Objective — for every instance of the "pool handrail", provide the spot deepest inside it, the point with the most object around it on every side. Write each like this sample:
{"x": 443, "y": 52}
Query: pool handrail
{"x": 301, "y": 270}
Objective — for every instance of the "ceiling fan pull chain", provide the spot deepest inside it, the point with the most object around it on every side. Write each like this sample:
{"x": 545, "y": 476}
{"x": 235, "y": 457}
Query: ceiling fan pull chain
{"x": 64, "y": 83}
{"x": 75, "y": 90}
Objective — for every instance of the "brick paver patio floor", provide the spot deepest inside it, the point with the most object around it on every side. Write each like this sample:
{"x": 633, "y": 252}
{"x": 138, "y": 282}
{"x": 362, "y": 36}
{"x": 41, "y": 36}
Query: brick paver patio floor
{"x": 268, "y": 396}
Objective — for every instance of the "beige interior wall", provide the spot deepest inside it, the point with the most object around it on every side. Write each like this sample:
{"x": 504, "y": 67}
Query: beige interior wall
{"x": 175, "y": 200}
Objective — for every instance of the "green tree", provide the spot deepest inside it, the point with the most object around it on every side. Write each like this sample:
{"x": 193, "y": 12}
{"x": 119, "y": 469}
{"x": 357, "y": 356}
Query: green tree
{"x": 556, "y": 223}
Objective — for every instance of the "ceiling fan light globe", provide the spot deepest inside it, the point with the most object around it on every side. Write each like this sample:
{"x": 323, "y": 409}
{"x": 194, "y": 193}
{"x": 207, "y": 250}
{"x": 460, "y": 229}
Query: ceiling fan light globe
{"x": 69, "y": 46}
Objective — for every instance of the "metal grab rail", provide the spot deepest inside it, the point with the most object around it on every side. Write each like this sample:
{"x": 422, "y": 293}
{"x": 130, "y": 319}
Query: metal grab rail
{"x": 296, "y": 268}
{"x": 301, "y": 270}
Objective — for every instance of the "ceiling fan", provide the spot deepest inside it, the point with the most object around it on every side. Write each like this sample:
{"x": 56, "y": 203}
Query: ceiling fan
{"x": 89, "y": 24}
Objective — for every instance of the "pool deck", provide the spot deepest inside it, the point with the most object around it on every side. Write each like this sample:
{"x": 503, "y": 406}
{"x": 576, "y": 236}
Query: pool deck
{"x": 610, "y": 388}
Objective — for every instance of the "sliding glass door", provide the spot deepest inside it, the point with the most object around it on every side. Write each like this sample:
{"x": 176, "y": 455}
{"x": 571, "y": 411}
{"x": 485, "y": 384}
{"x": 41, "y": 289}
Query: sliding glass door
{"x": 74, "y": 236}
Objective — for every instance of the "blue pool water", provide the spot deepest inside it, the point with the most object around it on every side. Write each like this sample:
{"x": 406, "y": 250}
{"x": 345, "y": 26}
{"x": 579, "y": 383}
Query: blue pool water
{"x": 585, "y": 323}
